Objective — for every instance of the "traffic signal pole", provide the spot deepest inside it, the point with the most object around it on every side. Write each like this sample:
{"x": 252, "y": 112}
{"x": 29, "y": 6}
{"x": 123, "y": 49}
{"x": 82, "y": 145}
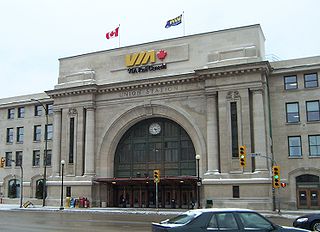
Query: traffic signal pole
{"x": 273, "y": 162}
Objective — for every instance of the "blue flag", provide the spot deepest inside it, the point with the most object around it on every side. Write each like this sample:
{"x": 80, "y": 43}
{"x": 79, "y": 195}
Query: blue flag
{"x": 174, "y": 22}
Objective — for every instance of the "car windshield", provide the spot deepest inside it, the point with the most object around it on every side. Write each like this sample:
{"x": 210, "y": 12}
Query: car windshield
{"x": 183, "y": 218}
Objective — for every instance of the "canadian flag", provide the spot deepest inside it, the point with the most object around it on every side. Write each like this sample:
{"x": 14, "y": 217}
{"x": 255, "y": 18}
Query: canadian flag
{"x": 113, "y": 34}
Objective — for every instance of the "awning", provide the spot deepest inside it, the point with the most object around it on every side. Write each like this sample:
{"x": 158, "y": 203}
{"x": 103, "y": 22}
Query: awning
{"x": 147, "y": 180}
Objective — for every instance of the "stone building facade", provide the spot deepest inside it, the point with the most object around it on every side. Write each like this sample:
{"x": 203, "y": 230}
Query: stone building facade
{"x": 120, "y": 114}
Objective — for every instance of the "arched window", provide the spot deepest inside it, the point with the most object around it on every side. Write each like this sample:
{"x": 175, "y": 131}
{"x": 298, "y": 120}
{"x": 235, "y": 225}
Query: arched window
{"x": 39, "y": 189}
{"x": 307, "y": 180}
{"x": 13, "y": 188}
{"x": 155, "y": 143}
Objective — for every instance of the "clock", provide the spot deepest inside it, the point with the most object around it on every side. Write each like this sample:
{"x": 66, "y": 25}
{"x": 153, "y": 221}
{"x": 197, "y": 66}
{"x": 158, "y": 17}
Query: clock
{"x": 155, "y": 128}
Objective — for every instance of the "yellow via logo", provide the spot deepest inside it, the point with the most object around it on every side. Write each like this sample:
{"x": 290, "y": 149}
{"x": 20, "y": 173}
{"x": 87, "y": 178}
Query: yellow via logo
{"x": 140, "y": 58}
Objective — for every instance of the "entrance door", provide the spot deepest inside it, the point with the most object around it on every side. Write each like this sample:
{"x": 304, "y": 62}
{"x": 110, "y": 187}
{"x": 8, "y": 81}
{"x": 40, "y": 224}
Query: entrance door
{"x": 308, "y": 198}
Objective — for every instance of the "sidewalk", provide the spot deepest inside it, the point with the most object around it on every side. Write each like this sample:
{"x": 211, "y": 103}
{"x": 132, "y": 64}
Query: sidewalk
{"x": 14, "y": 207}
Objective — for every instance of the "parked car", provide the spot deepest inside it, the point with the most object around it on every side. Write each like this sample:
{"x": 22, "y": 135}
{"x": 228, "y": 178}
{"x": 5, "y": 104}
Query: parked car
{"x": 308, "y": 221}
{"x": 199, "y": 220}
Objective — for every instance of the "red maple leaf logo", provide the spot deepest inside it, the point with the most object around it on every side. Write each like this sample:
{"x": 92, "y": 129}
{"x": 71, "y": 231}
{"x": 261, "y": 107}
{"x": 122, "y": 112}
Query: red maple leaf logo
{"x": 161, "y": 54}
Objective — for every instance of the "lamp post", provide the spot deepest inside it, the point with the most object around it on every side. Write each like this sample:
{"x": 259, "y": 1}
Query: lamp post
{"x": 62, "y": 169}
{"x": 44, "y": 190}
{"x": 198, "y": 180}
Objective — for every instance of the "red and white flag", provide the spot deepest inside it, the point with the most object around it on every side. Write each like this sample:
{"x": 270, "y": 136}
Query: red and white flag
{"x": 113, "y": 34}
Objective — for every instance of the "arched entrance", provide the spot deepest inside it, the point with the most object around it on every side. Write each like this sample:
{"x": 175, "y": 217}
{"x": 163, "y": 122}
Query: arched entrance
{"x": 308, "y": 190}
{"x": 155, "y": 143}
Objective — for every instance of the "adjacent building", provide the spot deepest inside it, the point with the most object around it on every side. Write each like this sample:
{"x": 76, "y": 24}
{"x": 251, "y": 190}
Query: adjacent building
{"x": 181, "y": 106}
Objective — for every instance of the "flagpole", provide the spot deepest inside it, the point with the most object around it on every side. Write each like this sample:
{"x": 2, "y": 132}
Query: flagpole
{"x": 184, "y": 26}
{"x": 119, "y": 35}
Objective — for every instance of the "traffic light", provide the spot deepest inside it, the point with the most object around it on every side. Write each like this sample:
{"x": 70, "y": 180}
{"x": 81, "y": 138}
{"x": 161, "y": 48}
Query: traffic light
{"x": 2, "y": 162}
{"x": 242, "y": 155}
{"x": 156, "y": 176}
{"x": 276, "y": 176}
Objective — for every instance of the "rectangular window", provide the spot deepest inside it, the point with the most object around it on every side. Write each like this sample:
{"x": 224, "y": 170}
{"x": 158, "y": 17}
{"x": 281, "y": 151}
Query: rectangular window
{"x": 292, "y": 110}
{"x": 49, "y": 108}
{"x": 314, "y": 145}
{"x": 294, "y": 146}
{"x": 290, "y": 82}
{"x": 18, "y": 158}
{"x": 11, "y": 113}
{"x": 37, "y": 133}
{"x": 68, "y": 192}
{"x": 8, "y": 159}
{"x": 234, "y": 129}
{"x": 20, "y": 134}
{"x": 48, "y": 157}
{"x": 311, "y": 80}
{"x": 313, "y": 111}
{"x": 36, "y": 158}
{"x": 21, "y": 112}
{"x": 71, "y": 142}
{"x": 9, "y": 135}
{"x": 38, "y": 110}
{"x": 49, "y": 132}
{"x": 236, "y": 191}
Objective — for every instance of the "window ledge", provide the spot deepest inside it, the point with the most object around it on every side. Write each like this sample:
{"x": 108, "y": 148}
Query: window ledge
{"x": 293, "y": 123}
{"x": 295, "y": 157}
{"x": 313, "y": 122}
{"x": 314, "y": 156}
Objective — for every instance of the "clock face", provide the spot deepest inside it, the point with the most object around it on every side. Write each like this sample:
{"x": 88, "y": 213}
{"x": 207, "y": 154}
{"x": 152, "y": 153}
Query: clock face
{"x": 154, "y": 128}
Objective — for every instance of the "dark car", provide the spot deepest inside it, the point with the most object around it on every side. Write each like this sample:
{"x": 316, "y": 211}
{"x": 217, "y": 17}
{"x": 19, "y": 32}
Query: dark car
{"x": 227, "y": 220}
{"x": 308, "y": 221}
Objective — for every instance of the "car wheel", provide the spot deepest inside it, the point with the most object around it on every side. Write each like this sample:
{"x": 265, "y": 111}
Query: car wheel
{"x": 316, "y": 226}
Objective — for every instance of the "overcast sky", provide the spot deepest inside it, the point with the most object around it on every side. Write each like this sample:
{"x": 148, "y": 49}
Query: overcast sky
{"x": 36, "y": 33}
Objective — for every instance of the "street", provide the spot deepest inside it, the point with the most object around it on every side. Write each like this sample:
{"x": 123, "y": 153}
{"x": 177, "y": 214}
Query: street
{"x": 35, "y": 221}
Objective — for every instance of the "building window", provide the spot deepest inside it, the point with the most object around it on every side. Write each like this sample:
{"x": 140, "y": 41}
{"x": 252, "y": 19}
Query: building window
{"x": 234, "y": 129}
{"x": 36, "y": 158}
{"x": 13, "y": 188}
{"x": 21, "y": 112}
{"x": 9, "y": 135}
{"x": 37, "y": 133}
{"x": 38, "y": 110}
{"x": 68, "y": 194}
{"x": 20, "y": 134}
{"x": 49, "y": 108}
{"x": 11, "y": 113}
{"x": 71, "y": 141}
{"x": 292, "y": 110}
{"x": 311, "y": 80}
{"x": 295, "y": 146}
{"x": 39, "y": 189}
{"x": 8, "y": 159}
{"x": 49, "y": 132}
{"x": 314, "y": 145}
{"x": 236, "y": 191}
{"x": 313, "y": 111}
{"x": 48, "y": 158}
{"x": 290, "y": 82}
{"x": 19, "y": 158}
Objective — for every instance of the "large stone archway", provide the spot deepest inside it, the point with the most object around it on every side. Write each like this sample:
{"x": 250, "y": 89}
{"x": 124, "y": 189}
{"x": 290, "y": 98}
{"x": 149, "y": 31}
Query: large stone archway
{"x": 108, "y": 144}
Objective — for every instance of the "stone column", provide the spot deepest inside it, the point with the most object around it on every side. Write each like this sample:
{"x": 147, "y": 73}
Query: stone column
{"x": 212, "y": 135}
{"x": 56, "y": 151}
{"x": 259, "y": 129}
{"x": 89, "y": 142}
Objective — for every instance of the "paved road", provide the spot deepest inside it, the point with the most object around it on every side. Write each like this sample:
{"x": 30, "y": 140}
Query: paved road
{"x": 30, "y": 221}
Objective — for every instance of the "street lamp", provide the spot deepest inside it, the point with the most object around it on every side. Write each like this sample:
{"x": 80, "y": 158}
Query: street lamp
{"x": 44, "y": 190}
{"x": 62, "y": 169}
{"x": 198, "y": 180}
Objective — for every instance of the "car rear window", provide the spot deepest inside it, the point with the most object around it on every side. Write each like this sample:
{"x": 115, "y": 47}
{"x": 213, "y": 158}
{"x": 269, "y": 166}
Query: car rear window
{"x": 183, "y": 218}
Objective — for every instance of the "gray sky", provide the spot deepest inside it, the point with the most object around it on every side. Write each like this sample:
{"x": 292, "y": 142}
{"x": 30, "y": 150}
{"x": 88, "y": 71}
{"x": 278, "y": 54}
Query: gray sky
{"x": 36, "y": 33}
